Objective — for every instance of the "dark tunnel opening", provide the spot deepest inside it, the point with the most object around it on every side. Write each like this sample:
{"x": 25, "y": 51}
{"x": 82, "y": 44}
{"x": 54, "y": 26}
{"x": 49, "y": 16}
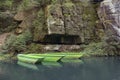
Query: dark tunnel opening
{"x": 61, "y": 39}
{"x": 97, "y": 0}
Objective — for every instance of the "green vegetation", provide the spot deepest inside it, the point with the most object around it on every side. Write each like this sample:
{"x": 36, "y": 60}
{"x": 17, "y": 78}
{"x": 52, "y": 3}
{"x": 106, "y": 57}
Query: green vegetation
{"x": 32, "y": 48}
{"x": 94, "y": 49}
{"x": 27, "y": 4}
{"x": 6, "y": 4}
{"x": 16, "y": 44}
{"x": 7, "y": 57}
{"x": 39, "y": 25}
{"x": 69, "y": 4}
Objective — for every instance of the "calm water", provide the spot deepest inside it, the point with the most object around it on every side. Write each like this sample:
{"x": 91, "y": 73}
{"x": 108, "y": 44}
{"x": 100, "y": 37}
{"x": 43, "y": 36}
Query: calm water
{"x": 89, "y": 69}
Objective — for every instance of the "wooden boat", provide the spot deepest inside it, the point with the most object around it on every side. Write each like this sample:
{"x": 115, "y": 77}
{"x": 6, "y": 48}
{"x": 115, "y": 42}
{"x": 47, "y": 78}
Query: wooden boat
{"x": 29, "y": 59}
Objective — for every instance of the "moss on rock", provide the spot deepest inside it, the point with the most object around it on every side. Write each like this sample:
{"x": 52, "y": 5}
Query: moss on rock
{"x": 39, "y": 26}
{"x": 5, "y": 4}
{"x": 15, "y": 44}
{"x": 95, "y": 49}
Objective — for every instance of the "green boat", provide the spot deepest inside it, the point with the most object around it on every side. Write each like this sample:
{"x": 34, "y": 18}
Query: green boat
{"x": 29, "y": 59}
{"x": 72, "y": 56}
{"x": 69, "y": 55}
{"x": 49, "y": 57}
{"x": 58, "y": 56}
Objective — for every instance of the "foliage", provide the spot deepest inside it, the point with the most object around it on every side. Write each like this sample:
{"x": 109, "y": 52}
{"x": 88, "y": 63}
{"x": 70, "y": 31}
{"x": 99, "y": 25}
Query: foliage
{"x": 96, "y": 49}
{"x": 33, "y": 48}
{"x": 6, "y": 57}
{"x": 18, "y": 43}
{"x": 27, "y": 4}
{"x": 39, "y": 30}
{"x": 6, "y": 3}
{"x": 44, "y": 2}
{"x": 21, "y": 41}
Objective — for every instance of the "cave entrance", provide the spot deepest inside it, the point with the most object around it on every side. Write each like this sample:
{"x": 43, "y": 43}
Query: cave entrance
{"x": 61, "y": 39}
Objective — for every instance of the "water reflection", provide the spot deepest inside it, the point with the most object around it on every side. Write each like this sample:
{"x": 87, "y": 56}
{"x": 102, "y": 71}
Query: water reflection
{"x": 26, "y": 65}
{"x": 90, "y": 69}
{"x": 51, "y": 64}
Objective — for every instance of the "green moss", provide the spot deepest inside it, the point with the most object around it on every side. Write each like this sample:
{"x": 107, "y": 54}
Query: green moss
{"x": 27, "y": 4}
{"x": 39, "y": 25}
{"x": 33, "y": 48}
{"x": 53, "y": 1}
{"x": 7, "y": 58}
{"x": 17, "y": 43}
{"x": 6, "y": 3}
{"x": 21, "y": 41}
{"x": 95, "y": 49}
{"x": 69, "y": 4}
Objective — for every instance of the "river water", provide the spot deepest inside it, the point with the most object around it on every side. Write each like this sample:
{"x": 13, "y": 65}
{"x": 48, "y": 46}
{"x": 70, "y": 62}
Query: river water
{"x": 87, "y": 69}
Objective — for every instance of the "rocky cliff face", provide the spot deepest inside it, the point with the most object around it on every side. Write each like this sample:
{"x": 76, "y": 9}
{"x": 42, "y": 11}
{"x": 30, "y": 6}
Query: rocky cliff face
{"x": 109, "y": 14}
{"x": 69, "y": 18}
{"x": 62, "y": 25}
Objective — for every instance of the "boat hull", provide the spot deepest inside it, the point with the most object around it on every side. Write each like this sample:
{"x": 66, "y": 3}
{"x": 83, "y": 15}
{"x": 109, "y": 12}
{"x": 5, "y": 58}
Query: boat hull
{"x": 49, "y": 57}
{"x": 29, "y": 59}
{"x": 72, "y": 56}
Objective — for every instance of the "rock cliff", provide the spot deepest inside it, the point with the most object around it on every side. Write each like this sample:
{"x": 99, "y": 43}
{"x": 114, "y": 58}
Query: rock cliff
{"x": 58, "y": 25}
{"x": 109, "y": 14}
